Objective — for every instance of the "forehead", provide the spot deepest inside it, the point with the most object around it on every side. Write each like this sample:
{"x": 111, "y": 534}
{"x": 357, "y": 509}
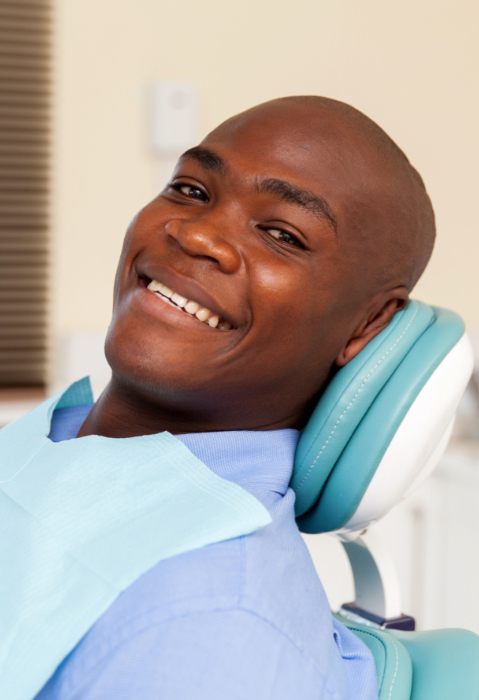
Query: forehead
{"x": 258, "y": 142}
{"x": 310, "y": 156}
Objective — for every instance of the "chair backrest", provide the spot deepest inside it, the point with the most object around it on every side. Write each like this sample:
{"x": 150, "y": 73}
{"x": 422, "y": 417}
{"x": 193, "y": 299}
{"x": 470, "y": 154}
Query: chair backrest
{"x": 436, "y": 665}
{"x": 383, "y": 422}
{"x": 378, "y": 430}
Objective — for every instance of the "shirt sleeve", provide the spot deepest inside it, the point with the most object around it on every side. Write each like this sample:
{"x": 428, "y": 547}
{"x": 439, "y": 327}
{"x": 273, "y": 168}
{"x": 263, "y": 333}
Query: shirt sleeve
{"x": 212, "y": 655}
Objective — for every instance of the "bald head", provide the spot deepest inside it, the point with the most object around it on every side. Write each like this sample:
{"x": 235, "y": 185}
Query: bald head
{"x": 386, "y": 216}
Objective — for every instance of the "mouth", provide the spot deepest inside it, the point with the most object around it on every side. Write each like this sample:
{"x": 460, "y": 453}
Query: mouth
{"x": 188, "y": 306}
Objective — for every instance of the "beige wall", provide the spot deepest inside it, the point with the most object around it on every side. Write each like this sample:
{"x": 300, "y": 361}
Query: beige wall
{"x": 410, "y": 65}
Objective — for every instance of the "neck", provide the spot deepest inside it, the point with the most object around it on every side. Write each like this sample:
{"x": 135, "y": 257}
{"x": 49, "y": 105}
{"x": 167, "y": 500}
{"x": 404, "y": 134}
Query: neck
{"x": 122, "y": 411}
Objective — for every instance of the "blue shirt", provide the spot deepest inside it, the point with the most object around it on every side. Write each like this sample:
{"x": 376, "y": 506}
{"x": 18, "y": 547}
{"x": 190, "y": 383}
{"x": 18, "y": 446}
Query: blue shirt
{"x": 245, "y": 619}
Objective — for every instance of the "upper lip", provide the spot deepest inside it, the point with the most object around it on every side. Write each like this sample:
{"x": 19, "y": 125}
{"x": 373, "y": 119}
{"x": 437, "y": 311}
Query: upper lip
{"x": 189, "y": 288}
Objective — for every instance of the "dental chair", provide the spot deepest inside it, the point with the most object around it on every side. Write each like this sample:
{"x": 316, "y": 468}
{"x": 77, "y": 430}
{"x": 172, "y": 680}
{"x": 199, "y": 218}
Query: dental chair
{"x": 378, "y": 431}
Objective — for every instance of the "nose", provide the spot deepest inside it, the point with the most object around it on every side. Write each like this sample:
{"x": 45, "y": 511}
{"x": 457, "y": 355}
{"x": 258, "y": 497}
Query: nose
{"x": 201, "y": 239}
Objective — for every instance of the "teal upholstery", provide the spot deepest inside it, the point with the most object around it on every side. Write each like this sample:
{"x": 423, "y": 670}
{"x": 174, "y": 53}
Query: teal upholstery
{"x": 360, "y": 411}
{"x": 346, "y": 400}
{"x": 445, "y": 663}
{"x": 338, "y": 454}
{"x": 394, "y": 667}
{"x": 437, "y": 665}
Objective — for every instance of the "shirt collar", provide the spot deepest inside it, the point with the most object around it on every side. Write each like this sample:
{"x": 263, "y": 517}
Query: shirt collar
{"x": 250, "y": 458}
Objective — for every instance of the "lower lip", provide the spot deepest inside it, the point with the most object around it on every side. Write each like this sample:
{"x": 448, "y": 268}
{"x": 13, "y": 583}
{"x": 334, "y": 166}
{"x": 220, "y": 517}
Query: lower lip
{"x": 165, "y": 310}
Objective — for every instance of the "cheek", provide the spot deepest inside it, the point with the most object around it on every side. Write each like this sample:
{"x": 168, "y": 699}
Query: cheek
{"x": 300, "y": 316}
{"x": 122, "y": 267}
{"x": 286, "y": 298}
{"x": 134, "y": 241}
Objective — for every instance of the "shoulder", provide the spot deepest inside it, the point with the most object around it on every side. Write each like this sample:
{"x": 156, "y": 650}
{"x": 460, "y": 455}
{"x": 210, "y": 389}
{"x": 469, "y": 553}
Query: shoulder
{"x": 268, "y": 573}
{"x": 253, "y": 596}
{"x": 205, "y": 654}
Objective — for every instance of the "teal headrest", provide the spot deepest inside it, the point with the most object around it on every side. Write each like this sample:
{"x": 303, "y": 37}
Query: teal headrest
{"x": 361, "y": 411}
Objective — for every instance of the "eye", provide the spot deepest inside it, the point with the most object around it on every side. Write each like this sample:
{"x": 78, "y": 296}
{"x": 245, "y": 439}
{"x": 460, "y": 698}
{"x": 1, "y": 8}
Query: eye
{"x": 190, "y": 191}
{"x": 283, "y": 236}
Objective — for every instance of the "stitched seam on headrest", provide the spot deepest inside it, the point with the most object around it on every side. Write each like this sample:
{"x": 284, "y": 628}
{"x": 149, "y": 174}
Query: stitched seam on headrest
{"x": 395, "y": 645}
{"x": 351, "y": 403}
{"x": 396, "y": 669}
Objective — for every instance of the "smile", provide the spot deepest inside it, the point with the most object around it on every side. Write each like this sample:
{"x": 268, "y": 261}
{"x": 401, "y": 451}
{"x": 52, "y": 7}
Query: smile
{"x": 189, "y": 306}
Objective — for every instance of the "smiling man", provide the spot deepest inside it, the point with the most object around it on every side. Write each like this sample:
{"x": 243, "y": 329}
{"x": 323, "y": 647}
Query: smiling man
{"x": 283, "y": 243}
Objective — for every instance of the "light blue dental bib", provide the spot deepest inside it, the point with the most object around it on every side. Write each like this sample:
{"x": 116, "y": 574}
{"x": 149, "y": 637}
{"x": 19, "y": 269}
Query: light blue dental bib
{"x": 81, "y": 519}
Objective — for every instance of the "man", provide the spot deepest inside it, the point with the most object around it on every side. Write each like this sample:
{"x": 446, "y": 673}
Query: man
{"x": 281, "y": 246}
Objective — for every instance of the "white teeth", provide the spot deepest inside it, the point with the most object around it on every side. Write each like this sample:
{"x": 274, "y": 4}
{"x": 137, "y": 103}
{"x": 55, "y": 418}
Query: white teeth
{"x": 203, "y": 314}
{"x": 213, "y": 321}
{"x": 156, "y": 286}
{"x": 178, "y": 299}
{"x": 191, "y": 307}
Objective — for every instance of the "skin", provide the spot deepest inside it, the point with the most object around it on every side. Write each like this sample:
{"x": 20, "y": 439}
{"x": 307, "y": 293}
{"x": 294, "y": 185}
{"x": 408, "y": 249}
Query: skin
{"x": 304, "y": 288}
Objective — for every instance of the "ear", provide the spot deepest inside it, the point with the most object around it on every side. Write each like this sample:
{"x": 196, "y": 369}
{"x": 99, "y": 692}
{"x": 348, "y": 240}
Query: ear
{"x": 380, "y": 314}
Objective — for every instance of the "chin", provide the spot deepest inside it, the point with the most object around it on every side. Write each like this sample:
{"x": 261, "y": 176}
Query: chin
{"x": 156, "y": 374}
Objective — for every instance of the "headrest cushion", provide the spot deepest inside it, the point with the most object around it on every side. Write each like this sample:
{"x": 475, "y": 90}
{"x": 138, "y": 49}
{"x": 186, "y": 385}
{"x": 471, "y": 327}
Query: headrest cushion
{"x": 361, "y": 410}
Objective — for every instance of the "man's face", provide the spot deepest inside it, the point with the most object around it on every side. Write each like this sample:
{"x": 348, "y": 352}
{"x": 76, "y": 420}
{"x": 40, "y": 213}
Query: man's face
{"x": 251, "y": 230}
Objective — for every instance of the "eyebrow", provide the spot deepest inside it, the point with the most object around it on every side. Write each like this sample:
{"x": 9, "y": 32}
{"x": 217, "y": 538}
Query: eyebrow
{"x": 310, "y": 201}
{"x": 206, "y": 158}
{"x": 304, "y": 198}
